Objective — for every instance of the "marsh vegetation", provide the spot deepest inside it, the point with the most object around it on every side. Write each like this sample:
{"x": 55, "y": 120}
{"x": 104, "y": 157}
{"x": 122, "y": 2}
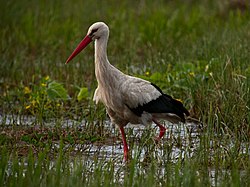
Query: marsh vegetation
{"x": 51, "y": 132}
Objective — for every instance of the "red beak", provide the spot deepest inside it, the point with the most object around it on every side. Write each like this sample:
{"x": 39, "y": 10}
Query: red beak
{"x": 79, "y": 48}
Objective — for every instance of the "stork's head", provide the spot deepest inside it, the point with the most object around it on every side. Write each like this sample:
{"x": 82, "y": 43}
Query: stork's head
{"x": 95, "y": 32}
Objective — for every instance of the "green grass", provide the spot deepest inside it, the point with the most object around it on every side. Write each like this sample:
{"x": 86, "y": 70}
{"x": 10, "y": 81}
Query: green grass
{"x": 196, "y": 51}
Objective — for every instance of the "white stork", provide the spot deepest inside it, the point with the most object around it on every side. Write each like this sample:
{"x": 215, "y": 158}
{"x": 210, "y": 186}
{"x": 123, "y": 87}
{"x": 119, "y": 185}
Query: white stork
{"x": 127, "y": 99}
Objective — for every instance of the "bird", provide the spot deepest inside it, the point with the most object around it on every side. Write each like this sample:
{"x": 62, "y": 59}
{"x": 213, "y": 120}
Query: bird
{"x": 127, "y": 99}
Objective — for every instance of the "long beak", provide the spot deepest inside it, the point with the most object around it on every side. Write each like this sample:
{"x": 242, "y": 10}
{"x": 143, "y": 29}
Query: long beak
{"x": 79, "y": 48}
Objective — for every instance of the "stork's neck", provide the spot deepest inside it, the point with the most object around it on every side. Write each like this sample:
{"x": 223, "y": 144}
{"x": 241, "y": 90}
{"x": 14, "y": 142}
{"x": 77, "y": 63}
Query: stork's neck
{"x": 103, "y": 69}
{"x": 101, "y": 58}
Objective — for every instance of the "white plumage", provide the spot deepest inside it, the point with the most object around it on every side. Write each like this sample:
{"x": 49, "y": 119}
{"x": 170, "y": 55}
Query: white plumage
{"x": 127, "y": 99}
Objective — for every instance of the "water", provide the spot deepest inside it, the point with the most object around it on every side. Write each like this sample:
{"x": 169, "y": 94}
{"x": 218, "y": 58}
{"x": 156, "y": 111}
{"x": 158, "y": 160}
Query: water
{"x": 184, "y": 138}
{"x": 187, "y": 134}
{"x": 183, "y": 141}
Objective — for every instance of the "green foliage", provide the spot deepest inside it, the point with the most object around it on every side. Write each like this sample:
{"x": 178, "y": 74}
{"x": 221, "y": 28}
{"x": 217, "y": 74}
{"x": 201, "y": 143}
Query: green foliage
{"x": 83, "y": 94}
{"x": 40, "y": 98}
{"x": 168, "y": 43}
{"x": 196, "y": 51}
{"x": 56, "y": 91}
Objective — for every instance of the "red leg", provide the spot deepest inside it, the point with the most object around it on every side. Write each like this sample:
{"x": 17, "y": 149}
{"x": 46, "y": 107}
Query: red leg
{"x": 162, "y": 130}
{"x": 125, "y": 145}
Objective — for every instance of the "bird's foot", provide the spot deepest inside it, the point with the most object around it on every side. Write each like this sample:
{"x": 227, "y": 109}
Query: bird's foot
{"x": 126, "y": 154}
{"x": 125, "y": 145}
{"x": 162, "y": 132}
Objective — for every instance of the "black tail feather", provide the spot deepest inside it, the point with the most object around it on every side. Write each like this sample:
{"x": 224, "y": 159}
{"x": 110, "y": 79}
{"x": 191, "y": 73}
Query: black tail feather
{"x": 176, "y": 106}
{"x": 163, "y": 104}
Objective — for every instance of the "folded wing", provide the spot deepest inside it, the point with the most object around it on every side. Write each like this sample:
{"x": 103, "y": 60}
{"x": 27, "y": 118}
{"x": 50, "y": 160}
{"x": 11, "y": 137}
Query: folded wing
{"x": 142, "y": 96}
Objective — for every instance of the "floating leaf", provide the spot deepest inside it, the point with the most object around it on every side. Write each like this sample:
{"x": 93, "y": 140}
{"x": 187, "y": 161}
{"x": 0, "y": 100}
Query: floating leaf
{"x": 83, "y": 94}
{"x": 56, "y": 90}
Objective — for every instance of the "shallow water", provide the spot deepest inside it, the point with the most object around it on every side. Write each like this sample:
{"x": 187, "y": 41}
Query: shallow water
{"x": 187, "y": 133}
{"x": 184, "y": 140}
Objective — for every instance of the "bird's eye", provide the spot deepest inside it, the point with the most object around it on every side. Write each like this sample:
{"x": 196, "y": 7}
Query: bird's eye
{"x": 93, "y": 31}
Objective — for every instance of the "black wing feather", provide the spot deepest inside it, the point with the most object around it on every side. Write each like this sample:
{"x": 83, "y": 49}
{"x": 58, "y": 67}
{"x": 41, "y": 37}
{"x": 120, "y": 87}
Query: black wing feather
{"x": 163, "y": 104}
